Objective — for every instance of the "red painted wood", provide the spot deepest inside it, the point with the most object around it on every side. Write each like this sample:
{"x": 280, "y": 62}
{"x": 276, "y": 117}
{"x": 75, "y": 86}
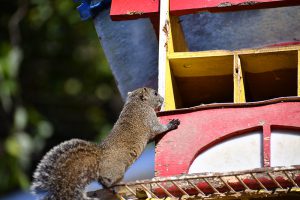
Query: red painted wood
{"x": 132, "y": 9}
{"x": 201, "y": 129}
{"x": 284, "y": 44}
{"x": 179, "y": 7}
{"x": 267, "y": 145}
{"x": 237, "y": 186}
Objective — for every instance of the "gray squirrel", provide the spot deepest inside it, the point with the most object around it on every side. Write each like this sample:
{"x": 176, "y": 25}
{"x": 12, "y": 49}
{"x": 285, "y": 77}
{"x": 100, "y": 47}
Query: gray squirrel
{"x": 68, "y": 168}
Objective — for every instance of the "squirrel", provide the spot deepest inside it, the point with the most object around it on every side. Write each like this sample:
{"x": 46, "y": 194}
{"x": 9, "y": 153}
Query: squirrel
{"x": 68, "y": 168}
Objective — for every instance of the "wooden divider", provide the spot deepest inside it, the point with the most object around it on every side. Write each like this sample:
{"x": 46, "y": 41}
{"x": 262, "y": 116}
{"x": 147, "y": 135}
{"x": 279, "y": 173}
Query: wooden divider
{"x": 239, "y": 89}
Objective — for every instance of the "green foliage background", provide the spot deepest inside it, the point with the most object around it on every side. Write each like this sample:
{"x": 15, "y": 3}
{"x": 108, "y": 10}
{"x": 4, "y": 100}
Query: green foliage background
{"x": 55, "y": 84}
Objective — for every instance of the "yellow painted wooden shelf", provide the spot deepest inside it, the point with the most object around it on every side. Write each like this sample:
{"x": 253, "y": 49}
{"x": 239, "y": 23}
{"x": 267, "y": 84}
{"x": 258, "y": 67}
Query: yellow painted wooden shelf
{"x": 189, "y": 79}
{"x": 218, "y": 76}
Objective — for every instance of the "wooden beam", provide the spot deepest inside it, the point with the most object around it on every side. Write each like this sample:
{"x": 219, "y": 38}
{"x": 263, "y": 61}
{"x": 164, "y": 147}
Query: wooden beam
{"x": 239, "y": 89}
{"x": 164, "y": 26}
{"x": 201, "y": 66}
{"x": 177, "y": 41}
{"x": 132, "y": 9}
{"x": 179, "y": 7}
{"x": 169, "y": 89}
{"x": 213, "y": 53}
{"x": 298, "y": 66}
{"x": 273, "y": 58}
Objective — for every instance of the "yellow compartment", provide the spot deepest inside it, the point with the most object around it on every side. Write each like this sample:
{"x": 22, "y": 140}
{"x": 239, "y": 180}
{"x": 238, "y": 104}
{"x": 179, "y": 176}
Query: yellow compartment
{"x": 269, "y": 75}
{"x": 200, "y": 79}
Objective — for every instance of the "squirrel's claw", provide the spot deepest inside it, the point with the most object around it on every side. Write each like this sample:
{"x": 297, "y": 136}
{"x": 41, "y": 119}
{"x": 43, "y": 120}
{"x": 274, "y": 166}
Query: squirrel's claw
{"x": 173, "y": 124}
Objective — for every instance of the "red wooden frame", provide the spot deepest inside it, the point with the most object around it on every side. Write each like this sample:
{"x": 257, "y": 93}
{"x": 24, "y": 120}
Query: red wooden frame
{"x": 179, "y": 7}
{"x": 255, "y": 180}
{"x": 132, "y": 9}
{"x": 203, "y": 127}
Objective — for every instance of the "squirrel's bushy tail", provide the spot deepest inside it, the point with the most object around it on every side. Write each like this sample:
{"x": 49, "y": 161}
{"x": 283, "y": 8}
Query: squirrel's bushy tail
{"x": 47, "y": 178}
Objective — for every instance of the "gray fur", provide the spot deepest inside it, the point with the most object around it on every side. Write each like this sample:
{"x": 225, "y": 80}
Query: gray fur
{"x": 69, "y": 167}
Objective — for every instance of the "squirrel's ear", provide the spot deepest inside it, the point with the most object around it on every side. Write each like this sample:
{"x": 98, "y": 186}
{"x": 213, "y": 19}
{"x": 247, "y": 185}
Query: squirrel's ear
{"x": 143, "y": 94}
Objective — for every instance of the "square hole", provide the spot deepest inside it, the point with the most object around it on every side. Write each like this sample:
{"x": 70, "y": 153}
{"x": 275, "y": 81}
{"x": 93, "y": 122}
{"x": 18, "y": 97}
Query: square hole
{"x": 269, "y": 75}
{"x": 202, "y": 80}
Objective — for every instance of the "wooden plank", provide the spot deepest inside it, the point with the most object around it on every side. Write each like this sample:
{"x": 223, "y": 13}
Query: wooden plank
{"x": 298, "y": 68}
{"x": 166, "y": 45}
{"x": 172, "y": 97}
{"x": 177, "y": 40}
{"x": 272, "y": 58}
{"x": 213, "y": 53}
{"x": 169, "y": 90}
{"x": 268, "y": 49}
{"x": 239, "y": 90}
{"x": 132, "y": 9}
{"x": 179, "y": 7}
{"x": 202, "y": 66}
{"x": 163, "y": 62}
{"x": 199, "y": 54}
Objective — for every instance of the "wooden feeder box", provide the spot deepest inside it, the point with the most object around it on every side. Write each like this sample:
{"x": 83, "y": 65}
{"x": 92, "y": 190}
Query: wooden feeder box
{"x": 231, "y": 76}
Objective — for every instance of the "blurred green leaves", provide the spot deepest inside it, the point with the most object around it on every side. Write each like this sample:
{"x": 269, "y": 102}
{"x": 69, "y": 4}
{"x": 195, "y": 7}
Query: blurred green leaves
{"x": 73, "y": 86}
{"x": 55, "y": 84}
{"x": 20, "y": 118}
{"x": 9, "y": 66}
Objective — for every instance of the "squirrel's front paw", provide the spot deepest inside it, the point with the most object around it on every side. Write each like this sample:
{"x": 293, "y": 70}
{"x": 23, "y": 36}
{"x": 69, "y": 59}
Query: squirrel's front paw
{"x": 173, "y": 124}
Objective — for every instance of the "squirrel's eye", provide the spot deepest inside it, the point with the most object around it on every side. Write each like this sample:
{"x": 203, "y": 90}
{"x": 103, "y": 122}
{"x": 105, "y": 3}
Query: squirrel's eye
{"x": 155, "y": 93}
